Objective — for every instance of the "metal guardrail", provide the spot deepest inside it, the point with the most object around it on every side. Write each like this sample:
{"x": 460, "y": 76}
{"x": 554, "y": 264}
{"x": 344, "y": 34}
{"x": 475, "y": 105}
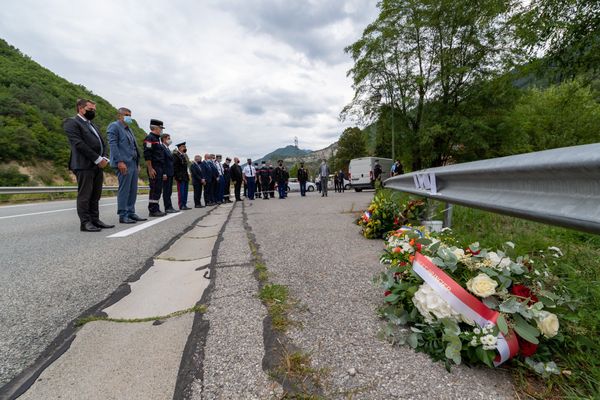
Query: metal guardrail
{"x": 558, "y": 186}
{"x": 52, "y": 189}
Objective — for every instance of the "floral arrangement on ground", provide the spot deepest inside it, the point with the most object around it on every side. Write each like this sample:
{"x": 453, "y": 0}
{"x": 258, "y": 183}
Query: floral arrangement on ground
{"x": 385, "y": 214}
{"x": 471, "y": 305}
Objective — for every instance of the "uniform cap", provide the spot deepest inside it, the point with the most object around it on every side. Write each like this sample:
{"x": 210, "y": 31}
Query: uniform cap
{"x": 180, "y": 144}
{"x": 157, "y": 122}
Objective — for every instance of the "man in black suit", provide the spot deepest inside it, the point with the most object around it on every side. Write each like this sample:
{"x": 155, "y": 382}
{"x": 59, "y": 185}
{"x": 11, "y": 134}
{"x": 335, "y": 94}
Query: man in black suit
{"x": 198, "y": 181}
{"x": 168, "y": 173}
{"x": 88, "y": 158}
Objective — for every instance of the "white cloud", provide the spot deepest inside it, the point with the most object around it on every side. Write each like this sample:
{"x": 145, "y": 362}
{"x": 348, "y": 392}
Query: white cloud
{"x": 238, "y": 78}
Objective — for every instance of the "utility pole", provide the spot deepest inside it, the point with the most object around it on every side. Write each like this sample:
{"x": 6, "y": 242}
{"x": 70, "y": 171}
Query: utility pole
{"x": 393, "y": 132}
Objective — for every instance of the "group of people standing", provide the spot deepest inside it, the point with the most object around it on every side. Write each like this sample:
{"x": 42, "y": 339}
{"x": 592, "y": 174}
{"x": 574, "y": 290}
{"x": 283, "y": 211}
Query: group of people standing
{"x": 210, "y": 177}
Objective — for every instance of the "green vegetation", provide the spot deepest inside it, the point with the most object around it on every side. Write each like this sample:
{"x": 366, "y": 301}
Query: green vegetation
{"x": 578, "y": 271}
{"x": 33, "y": 105}
{"x": 275, "y": 298}
{"x": 196, "y": 309}
{"x": 10, "y": 176}
{"x": 457, "y": 82}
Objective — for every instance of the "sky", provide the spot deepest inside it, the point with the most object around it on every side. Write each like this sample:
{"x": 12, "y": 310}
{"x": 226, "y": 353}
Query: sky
{"x": 236, "y": 77}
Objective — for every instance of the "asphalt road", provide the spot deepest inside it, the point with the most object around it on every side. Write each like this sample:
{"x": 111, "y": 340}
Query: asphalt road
{"x": 50, "y": 272}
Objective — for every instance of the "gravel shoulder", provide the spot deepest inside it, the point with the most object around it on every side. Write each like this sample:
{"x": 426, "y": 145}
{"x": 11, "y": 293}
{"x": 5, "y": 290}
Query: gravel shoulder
{"x": 312, "y": 246}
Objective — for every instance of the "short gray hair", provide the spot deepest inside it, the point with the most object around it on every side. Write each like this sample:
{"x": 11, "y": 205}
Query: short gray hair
{"x": 152, "y": 127}
{"x": 124, "y": 110}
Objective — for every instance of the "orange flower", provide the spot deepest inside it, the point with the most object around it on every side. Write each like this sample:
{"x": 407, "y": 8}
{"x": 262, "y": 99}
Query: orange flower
{"x": 397, "y": 250}
{"x": 411, "y": 258}
{"x": 412, "y": 242}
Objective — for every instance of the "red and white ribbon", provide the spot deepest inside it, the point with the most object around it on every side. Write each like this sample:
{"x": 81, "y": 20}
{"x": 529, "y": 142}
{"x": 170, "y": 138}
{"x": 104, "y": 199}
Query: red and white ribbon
{"x": 465, "y": 303}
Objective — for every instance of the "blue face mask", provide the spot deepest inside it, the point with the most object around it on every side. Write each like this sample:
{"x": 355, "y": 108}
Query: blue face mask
{"x": 128, "y": 120}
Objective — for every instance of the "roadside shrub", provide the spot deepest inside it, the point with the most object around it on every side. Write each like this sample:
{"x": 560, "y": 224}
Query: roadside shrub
{"x": 10, "y": 176}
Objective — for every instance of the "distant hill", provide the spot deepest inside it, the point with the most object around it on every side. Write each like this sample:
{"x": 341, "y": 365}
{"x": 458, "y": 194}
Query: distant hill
{"x": 284, "y": 153}
{"x": 34, "y": 101}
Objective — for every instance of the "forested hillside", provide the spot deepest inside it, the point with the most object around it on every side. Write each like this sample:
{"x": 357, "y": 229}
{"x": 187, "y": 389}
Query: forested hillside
{"x": 457, "y": 82}
{"x": 34, "y": 101}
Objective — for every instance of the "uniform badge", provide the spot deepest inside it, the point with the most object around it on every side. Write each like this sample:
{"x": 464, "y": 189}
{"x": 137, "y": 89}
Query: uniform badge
{"x": 148, "y": 144}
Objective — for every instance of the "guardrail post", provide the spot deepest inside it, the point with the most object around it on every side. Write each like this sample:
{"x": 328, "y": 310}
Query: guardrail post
{"x": 448, "y": 215}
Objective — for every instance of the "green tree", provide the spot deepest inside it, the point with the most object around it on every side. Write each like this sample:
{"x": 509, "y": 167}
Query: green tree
{"x": 351, "y": 144}
{"x": 418, "y": 52}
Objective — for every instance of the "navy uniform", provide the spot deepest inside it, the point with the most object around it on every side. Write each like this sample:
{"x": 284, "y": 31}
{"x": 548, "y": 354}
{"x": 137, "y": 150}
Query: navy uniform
{"x": 154, "y": 154}
{"x": 258, "y": 183}
{"x": 168, "y": 173}
{"x": 265, "y": 180}
{"x": 272, "y": 185}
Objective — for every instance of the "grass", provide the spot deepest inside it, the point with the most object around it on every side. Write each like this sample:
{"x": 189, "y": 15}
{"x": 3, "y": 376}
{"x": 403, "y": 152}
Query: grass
{"x": 197, "y": 308}
{"x": 263, "y": 273}
{"x": 296, "y": 368}
{"x": 579, "y": 270}
{"x": 276, "y": 299}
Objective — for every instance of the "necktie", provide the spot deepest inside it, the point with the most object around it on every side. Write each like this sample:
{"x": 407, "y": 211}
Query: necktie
{"x": 97, "y": 136}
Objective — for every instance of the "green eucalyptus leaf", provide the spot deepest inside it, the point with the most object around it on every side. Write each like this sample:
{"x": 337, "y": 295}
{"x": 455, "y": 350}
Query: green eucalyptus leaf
{"x": 502, "y": 325}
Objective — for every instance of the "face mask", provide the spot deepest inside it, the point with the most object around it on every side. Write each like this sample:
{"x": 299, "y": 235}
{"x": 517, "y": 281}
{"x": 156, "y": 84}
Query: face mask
{"x": 89, "y": 114}
{"x": 250, "y": 163}
{"x": 280, "y": 164}
{"x": 127, "y": 119}
{"x": 168, "y": 142}
{"x": 185, "y": 150}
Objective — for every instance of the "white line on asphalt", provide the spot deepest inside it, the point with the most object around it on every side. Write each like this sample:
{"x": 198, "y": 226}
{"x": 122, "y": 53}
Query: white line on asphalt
{"x": 145, "y": 225}
{"x": 49, "y": 212}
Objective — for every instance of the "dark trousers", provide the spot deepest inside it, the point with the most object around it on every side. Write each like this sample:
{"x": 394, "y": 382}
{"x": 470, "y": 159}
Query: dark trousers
{"x": 182, "y": 193}
{"x": 89, "y": 190}
{"x": 237, "y": 188}
{"x": 167, "y": 192}
{"x": 264, "y": 185}
{"x": 215, "y": 189}
{"x": 220, "y": 188}
{"x": 127, "y": 194}
{"x": 198, "y": 194}
{"x": 251, "y": 186}
{"x": 302, "y": 188}
{"x": 227, "y": 189}
{"x": 156, "y": 187}
{"x": 208, "y": 199}
{"x": 272, "y": 189}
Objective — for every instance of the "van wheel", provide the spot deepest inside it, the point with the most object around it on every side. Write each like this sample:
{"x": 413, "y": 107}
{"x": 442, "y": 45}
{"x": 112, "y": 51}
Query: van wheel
{"x": 310, "y": 188}
{"x": 347, "y": 187}
{"x": 357, "y": 190}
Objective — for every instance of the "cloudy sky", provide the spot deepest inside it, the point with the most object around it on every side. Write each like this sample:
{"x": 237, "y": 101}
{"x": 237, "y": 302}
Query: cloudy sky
{"x": 238, "y": 77}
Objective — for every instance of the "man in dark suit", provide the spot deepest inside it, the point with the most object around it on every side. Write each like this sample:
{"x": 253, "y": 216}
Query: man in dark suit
{"x": 236, "y": 177}
{"x": 207, "y": 172}
{"x": 88, "y": 158}
{"x": 180, "y": 167}
{"x": 168, "y": 173}
{"x": 197, "y": 181}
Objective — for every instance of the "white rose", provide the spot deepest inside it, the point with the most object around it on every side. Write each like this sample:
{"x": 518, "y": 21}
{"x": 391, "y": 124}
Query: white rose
{"x": 430, "y": 305}
{"x": 459, "y": 253}
{"x": 482, "y": 285}
{"x": 547, "y": 323}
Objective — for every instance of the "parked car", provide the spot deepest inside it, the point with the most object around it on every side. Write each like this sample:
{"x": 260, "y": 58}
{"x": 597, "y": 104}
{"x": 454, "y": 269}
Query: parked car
{"x": 361, "y": 172}
{"x": 294, "y": 186}
{"x": 331, "y": 183}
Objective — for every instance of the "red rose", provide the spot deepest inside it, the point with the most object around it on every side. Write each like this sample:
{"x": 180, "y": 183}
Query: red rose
{"x": 418, "y": 246}
{"x": 526, "y": 349}
{"x": 469, "y": 251}
{"x": 386, "y": 293}
{"x": 524, "y": 291}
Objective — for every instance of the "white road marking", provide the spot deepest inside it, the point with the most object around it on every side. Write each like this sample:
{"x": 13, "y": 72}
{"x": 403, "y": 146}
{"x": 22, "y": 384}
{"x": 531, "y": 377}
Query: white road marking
{"x": 143, "y": 226}
{"x": 49, "y": 212}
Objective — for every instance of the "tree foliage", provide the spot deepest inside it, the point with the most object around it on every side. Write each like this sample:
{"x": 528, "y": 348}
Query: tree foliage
{"x": 33, "y": 104}
{"x": 352, "y": 144}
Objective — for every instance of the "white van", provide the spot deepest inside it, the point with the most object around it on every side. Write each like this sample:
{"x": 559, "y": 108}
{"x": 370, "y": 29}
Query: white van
{"x": 361, "y": 171}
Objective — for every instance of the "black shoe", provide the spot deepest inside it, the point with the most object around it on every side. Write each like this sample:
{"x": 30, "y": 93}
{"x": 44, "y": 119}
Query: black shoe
{"x": 157, "y": 214}
{"x": 126, "y": 220}
{"x": 136, "y": 217}
{"x": 185, "y": 208}
{"x": 171, "y": 211}
{"x": 89, "y": 227}
{"x": 197, "y": 206}
{"x": 100, "y": 224}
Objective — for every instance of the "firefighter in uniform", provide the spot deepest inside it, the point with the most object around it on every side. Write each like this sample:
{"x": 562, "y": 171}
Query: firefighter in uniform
{"x": 154, "y": 155}
{"x": 265, "y": 180}
{"x": 286, "y": 178}
{"x": 272, "y": 185}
